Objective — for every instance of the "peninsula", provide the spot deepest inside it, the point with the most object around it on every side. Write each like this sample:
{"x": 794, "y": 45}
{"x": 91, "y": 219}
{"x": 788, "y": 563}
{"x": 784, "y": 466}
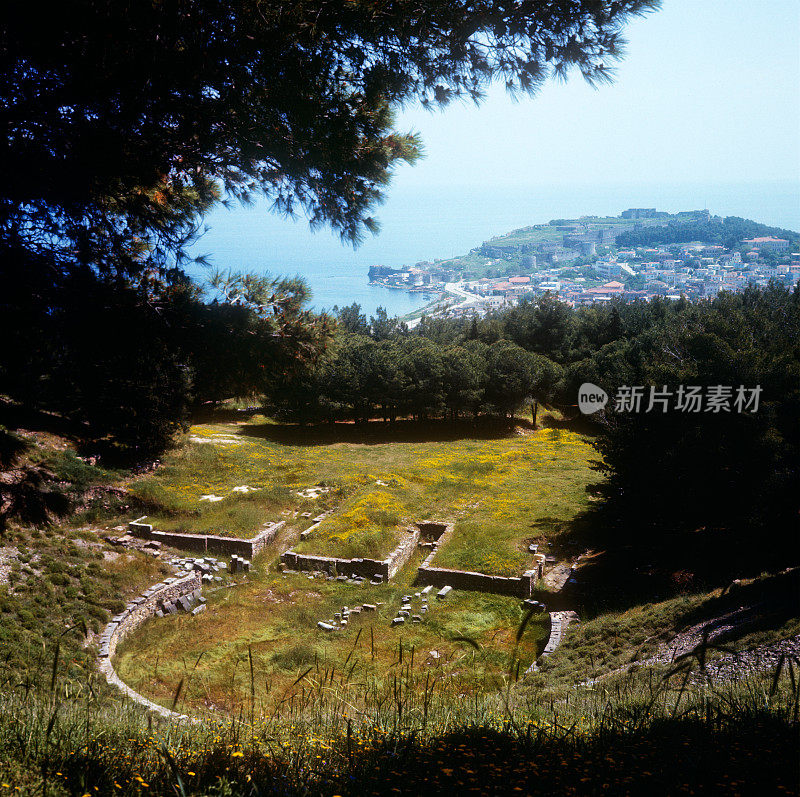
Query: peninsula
{"x": 640, "y": 254}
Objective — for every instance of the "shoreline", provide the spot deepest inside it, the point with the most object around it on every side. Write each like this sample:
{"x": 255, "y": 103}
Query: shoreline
{"x": 417, "y": 312}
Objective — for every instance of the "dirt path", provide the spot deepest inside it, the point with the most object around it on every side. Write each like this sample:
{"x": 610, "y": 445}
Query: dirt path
{"x": 760, "y": 659}
{"x": 557, "y": 576}
{"x": 712, "y": 631}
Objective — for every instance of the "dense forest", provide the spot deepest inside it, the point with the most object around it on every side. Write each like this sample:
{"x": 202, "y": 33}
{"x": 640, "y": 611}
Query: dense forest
{"x": 727, "y": 470}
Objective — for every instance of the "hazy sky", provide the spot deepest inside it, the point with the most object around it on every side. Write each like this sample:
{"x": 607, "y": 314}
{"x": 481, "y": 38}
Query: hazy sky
{"x": 709, "y": 90}
{"x": 704, "y": 112}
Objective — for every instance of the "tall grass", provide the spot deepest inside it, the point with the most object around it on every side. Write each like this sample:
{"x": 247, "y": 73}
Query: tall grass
{"x": 329, "y": 731}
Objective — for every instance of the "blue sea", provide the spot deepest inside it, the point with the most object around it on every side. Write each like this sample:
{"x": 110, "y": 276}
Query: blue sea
{"x": 427, "y": 223}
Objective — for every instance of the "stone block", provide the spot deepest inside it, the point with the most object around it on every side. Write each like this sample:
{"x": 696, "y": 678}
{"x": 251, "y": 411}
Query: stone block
{"x": 529, "y": 603}
{"x": 325, "y": 626}
{"x": 369, "y": 607}
{"x": 416, "y": 618}
{"x": 185, "y": 604}
{"x": 398, "y": 620}
{"x": 426, "y": 590}
{"x": 444, "y": 592}
{"x": 201, "y": 608}
{"x": 140, "y": 529}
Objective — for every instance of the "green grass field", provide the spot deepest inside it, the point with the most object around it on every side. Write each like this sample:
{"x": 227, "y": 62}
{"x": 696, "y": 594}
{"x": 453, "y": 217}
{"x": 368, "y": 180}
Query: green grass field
{"x": 502, "y": 493}
{"x": 441, "y": 707}
{"x": 269, "y": 623}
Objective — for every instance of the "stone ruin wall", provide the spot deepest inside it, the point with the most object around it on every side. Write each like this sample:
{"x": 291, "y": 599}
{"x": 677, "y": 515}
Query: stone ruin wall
{"x": 558, "y": 627}
{"x": 212, "y": 543}
{"x": 436, "y": 534}
{"x": 136, "y": 612}
{"x": 519, "y": 586}
{"x": 143, "y": 608}
{"x": 366, "y": 568}
{"x": 403, "y": 552}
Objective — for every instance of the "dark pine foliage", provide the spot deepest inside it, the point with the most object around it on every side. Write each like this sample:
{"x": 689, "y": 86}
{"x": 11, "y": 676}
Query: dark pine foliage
{"x": 124, "y": 122}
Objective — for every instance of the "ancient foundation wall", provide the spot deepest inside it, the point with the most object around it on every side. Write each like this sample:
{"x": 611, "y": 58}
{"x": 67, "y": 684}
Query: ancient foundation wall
{"x": 366, "y": 568}
{"x": 144, "y": 607}
{"x": 136, "y": 612}
{"x": 558, "y": 627}
{"x": 402, "y": 553}
{"x": 211, "y": 543}
{"x": 438, "y": 539}
{"x": 519, "y": 586}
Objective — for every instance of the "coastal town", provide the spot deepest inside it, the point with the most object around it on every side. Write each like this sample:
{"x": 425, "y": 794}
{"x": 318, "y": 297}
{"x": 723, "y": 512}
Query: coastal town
{"x": 587, "y": 261}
